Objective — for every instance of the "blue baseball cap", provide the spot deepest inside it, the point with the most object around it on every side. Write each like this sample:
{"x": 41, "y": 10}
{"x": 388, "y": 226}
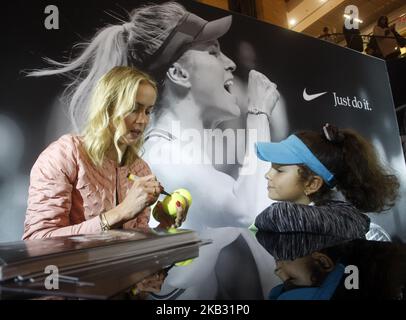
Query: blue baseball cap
{"x": 293, "y": 151}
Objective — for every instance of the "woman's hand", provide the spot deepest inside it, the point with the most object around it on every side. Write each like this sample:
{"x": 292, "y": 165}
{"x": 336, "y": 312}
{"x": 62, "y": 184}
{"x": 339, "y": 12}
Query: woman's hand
{"x": 262, "y": 93}
{"x": 166, "y": 220}
{"x": 143, "y": 193}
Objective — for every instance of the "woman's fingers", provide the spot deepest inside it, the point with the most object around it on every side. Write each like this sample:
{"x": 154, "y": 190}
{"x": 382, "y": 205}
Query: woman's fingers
{"x": 181, "y": 214}
{"x": 259, "y": 86}
{"x": 153, "y": 191}
{"x": 160, "y": 215}
{"x": 152, "y": 184}
{"x": 150, "y": 177}
{"x": 148, "y": 182}
{"x": 167, "y": 220}
{"x": 259, "y": 78}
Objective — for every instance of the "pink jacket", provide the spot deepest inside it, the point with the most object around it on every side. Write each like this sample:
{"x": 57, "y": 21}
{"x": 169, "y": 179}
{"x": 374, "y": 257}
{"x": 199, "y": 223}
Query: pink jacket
{"x": 67, "y": 192}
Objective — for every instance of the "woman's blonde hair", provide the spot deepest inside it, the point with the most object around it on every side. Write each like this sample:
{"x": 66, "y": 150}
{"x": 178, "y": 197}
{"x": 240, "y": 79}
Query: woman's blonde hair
{"x": 112, "y": 100}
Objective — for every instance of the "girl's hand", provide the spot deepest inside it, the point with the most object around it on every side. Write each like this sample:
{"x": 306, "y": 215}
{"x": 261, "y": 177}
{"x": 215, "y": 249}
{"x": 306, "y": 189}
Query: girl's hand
{"x": 166, "y": 220}
{"x": 262, "y": 93}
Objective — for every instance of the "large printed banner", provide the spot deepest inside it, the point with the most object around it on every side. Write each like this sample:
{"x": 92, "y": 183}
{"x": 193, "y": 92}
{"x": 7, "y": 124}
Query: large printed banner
{"x": 200, "y": 137}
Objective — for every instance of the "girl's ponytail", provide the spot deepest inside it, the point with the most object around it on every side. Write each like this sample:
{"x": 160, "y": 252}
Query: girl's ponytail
{"x": 359, "y": 174}
{"x": 363, "y": 180}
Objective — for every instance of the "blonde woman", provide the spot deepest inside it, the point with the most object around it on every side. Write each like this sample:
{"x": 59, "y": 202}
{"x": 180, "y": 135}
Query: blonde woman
{"x": 79, "y": 184}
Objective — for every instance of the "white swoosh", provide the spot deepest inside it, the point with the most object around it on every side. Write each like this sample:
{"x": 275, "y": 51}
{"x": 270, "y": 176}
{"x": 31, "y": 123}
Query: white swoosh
{"x": 310, "y": 97}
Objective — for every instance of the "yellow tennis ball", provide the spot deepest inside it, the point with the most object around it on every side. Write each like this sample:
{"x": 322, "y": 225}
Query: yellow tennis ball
{"x": 184, "y": 263}
{"x": 172, "y": 230}
{"x": 169, "y": 203}
{"x": 186, "y": 194}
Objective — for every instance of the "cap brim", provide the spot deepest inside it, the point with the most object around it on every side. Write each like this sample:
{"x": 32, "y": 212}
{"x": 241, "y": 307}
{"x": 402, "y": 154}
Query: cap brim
{"x": 276, "y": 153}
{"x": 215, "y": 29}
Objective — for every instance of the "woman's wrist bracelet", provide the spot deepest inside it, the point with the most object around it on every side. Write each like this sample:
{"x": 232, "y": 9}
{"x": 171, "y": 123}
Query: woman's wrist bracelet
{"x": 256, "y": 111}
{"x": 104, "y": 223}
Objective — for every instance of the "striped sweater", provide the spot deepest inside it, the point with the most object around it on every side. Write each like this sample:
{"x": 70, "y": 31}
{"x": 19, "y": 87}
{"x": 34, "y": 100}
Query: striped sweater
{"x": 331, "y": 217}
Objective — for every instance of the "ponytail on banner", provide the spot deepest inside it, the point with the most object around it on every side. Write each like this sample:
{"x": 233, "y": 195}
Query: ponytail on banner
{"x": 359, "y": 174}
{"x": 107, "y": 50}
{"x": 128, "y": 44}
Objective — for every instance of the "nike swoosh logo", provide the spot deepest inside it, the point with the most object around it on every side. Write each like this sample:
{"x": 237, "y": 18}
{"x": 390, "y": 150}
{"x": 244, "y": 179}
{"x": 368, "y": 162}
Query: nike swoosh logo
{"x": 310, "y": 97}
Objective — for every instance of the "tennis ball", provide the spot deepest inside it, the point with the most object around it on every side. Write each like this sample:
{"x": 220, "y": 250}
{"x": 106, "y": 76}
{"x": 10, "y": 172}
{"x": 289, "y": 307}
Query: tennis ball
{"x": 172, "y": 230}
{"x": 186, "y": 194}
{"x": 169, "y": 203}
{"x": 184, "y": 263}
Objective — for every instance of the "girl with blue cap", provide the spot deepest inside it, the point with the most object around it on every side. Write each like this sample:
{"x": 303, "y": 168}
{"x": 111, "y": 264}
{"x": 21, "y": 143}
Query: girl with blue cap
{"x": 307, "y": 166}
